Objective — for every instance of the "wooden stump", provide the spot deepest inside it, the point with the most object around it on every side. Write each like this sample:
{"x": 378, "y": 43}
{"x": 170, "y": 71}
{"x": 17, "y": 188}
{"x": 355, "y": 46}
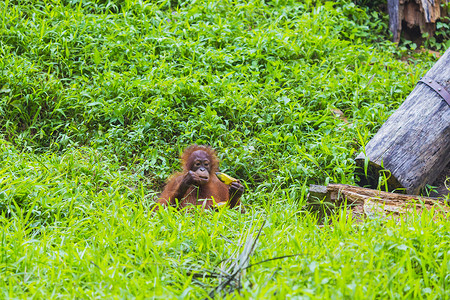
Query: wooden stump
{"x": 414, "y": 13}
{"x": 412, "y": 148}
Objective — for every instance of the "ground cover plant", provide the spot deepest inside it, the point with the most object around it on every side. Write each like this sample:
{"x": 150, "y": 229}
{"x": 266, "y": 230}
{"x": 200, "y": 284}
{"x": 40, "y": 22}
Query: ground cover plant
{"x": 98, "y": 98}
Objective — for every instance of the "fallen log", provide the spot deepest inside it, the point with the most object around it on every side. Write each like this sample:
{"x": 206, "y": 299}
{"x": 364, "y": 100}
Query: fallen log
{"x": 364, "y": 202}
{"x": 412, "y": 148}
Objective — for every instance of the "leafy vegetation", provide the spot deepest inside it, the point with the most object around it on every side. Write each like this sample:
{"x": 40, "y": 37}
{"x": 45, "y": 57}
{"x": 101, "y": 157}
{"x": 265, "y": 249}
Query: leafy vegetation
{"x": 98, "y": 98}
{"x": 442, "y": 39}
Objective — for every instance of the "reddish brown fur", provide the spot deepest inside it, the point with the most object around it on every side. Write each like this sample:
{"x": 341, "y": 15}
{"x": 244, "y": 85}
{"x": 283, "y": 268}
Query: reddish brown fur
{"x": 213, "y": 189}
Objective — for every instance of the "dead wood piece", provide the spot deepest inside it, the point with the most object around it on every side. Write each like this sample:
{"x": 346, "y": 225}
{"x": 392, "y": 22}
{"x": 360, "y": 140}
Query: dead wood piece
{"x": 364, "y": 202}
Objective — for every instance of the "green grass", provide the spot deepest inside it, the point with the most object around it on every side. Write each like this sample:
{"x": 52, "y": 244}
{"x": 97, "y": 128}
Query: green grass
{"x": 98, "y": 98}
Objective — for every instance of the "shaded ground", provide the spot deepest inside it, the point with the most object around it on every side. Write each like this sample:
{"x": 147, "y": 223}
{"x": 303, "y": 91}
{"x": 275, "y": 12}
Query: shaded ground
{"x": 440, "y": 183}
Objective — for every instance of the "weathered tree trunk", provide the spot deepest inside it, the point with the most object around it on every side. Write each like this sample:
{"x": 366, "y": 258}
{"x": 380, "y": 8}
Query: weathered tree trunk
{"x": 421, "y": 13}
{"x": 363, "y": 202}
{"x": 414, "y": 143}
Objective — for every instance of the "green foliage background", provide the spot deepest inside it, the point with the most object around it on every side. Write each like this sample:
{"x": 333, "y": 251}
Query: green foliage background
{"x": 98, "y": 98}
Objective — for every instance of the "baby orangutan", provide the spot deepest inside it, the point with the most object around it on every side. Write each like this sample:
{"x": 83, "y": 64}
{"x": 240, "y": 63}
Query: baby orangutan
{"x": 197, "y": 184}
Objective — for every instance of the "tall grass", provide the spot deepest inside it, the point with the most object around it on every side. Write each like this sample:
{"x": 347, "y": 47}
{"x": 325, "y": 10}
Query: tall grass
{"x": 98, "y": 98}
